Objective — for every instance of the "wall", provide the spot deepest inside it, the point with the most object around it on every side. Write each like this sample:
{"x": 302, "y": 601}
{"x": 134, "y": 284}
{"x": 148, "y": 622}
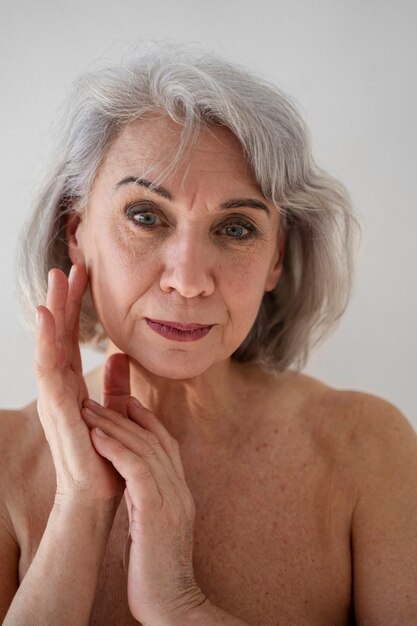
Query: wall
{"x": 351, "y": 68}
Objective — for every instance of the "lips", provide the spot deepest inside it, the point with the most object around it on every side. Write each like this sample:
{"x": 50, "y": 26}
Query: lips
{"x": 177, "y": 331}
{"x": 179, "y": 325}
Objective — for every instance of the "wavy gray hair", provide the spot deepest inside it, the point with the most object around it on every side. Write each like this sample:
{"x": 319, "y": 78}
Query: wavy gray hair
{"x": 196, "y": 90}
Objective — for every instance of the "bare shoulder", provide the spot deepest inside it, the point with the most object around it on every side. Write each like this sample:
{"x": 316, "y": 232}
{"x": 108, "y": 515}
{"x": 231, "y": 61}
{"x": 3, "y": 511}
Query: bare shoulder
{"x": 377, "y": 444}
{"x": 21, "y": 443}
{"x": 371, "y": 425}
{"x": 360, "y": 414}
{"x": 23, "y": 421}
{"x": 12, "y": 419}
{"x": 357, "y": 427}
{"x": 27, "y": 478}
{"x": 373, "y": 446}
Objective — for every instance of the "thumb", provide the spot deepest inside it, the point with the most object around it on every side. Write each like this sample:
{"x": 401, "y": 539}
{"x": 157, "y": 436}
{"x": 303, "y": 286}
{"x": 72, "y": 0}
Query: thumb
{"x": 116, "y": 383}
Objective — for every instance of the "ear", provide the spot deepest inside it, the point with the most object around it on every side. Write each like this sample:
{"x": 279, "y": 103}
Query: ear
{"x": 72, "y": 232}
{"x": 276, "y": 264}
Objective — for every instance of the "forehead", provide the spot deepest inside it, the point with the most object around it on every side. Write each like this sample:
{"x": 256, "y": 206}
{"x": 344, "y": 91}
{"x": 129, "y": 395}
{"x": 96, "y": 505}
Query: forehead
{"x": 151, "y": 144}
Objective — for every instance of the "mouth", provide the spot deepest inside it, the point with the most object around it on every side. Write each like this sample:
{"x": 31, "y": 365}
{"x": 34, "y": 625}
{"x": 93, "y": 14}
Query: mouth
{"x": 176, "y": 331}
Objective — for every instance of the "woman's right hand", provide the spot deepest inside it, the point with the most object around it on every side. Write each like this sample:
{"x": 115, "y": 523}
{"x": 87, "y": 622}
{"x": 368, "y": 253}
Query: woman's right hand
{"x": 83, "y": 476}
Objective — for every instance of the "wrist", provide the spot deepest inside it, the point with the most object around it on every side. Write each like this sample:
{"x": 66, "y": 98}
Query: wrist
{"x": 94, "y": 517}
{"x": 205, "y": 614}
{"x": 200, "y": 614}
{"x": 184, "y": 610}
{"x": 78, "y": 533}
{"x": 76, "y": 504}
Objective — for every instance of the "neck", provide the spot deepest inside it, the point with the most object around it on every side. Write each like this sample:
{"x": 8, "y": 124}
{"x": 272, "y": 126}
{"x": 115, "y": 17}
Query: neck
{"x": 206, "y": 408}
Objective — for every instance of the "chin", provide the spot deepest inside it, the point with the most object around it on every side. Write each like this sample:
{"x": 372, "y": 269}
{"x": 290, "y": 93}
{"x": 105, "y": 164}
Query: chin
{"x": 176, "y": 369}
{"x": 176, "y": 365}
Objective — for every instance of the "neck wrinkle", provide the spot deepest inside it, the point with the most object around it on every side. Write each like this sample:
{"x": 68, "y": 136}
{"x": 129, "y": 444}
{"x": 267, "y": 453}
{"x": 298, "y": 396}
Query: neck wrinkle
{"x": 204, "y": 408}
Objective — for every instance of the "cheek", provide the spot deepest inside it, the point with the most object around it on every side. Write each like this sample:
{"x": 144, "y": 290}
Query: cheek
{"x": 120, "y": 254}
{"x": 119, "y": 273}
{"x": 243, "y": 287}
{"x": 245, "y": 276}
{"x": 122, "y": 269}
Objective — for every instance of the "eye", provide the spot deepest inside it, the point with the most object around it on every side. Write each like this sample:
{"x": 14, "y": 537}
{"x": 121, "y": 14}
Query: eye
{"x": 239, "y": 230}
{"x": 143, "y": 215}
{"x": 145, "y": 218}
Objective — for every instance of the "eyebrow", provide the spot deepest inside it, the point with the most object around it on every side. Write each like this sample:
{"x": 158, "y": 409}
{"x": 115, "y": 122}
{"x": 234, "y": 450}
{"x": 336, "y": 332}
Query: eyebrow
{"x": 246, "y": 202}
{"x": 235, "y": 203}
{"x": 142, "y": 182}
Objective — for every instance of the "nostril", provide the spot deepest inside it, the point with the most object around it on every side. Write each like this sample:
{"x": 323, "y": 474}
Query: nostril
{"x": 188, "y": 279}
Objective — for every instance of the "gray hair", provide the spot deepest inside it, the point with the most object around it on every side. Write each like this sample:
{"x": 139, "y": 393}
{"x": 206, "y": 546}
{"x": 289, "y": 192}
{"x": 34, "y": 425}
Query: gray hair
{"x": 195, "y": 90}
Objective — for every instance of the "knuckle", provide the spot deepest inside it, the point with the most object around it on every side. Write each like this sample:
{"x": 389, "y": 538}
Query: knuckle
{"x": 68, "y": 336}
{"x": 151, "y": 439}
{"x": 108, "y": 417}
{"x": 147, "y": 450}
{"x": 118, "y": 448}
{"x": 141, "y": 470}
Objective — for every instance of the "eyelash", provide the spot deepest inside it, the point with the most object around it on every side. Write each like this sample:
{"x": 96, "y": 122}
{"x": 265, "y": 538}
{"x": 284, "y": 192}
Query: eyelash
{"x": 140, "y": 209}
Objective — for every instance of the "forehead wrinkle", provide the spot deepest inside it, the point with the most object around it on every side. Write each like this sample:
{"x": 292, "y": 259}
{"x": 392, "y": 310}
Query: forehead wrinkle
{"x": 130, "y": 153}
{"x": 203, "y": 157}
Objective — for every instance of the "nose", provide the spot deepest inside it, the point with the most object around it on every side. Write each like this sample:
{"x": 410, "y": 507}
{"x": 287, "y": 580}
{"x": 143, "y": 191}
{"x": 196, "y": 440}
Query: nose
{"x": 188, "y": 267}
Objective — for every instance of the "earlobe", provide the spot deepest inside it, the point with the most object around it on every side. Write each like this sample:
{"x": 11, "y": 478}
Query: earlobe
{"x": 73, "y": 235}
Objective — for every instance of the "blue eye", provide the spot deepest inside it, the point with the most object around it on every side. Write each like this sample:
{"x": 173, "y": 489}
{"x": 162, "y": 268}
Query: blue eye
{"x": 142, "y": 216}
{"x": 239, "y": 230}
{"x": 235, "y": 231}
{"x": 147, "y": 219}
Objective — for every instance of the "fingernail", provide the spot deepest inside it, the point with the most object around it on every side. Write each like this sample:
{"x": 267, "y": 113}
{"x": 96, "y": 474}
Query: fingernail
{"x": 90, "y": 413}
{"x": 136, "y": 402}
{"x": 100, "y": 432}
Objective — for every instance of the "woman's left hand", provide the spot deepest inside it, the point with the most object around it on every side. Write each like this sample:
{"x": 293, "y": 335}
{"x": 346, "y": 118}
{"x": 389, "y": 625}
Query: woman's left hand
{"x": 161, "y": 584}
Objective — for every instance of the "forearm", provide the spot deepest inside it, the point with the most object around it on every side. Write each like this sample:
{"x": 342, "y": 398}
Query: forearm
{"x": 60, "y": 584}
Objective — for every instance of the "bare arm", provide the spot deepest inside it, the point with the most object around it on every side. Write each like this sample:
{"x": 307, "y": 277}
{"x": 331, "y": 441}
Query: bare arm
{"x": 384, "y": 538}
{"x": 60, "y": 584}
{"x": 9, "y": 559}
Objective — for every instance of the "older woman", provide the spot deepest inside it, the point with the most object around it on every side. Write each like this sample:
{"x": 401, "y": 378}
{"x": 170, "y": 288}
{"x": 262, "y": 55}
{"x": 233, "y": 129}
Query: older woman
{"x": 185, "y": 226}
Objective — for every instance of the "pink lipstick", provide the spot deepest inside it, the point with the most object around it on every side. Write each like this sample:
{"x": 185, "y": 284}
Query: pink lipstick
{"x": 177, "y": 331}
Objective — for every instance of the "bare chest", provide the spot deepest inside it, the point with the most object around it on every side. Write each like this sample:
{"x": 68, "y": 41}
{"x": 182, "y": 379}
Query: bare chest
{"x": 271, "y": 538}
{"x": 271, "y": 541}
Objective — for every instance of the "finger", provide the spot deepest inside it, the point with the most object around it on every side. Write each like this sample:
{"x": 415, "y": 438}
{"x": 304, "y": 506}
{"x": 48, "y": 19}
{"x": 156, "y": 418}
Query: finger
{"x": 136, "y": 471}
{"x": 148, "y": 421}
{"x": 48, "y": 362}
{"x": 45, "y": 345}
{"x": 77, "y": 285}
{"x": 55, "y": 301}
{"x": 116, "y": 383}
{"x": 136, "y": 439}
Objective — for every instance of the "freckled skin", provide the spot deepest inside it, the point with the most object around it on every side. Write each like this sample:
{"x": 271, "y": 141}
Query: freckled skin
{"x": 275, "y": 465}
{"x": 186, "y": 269}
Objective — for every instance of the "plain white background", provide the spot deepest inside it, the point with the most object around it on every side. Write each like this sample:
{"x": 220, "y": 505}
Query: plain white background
{"x": 351, "y": 67}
